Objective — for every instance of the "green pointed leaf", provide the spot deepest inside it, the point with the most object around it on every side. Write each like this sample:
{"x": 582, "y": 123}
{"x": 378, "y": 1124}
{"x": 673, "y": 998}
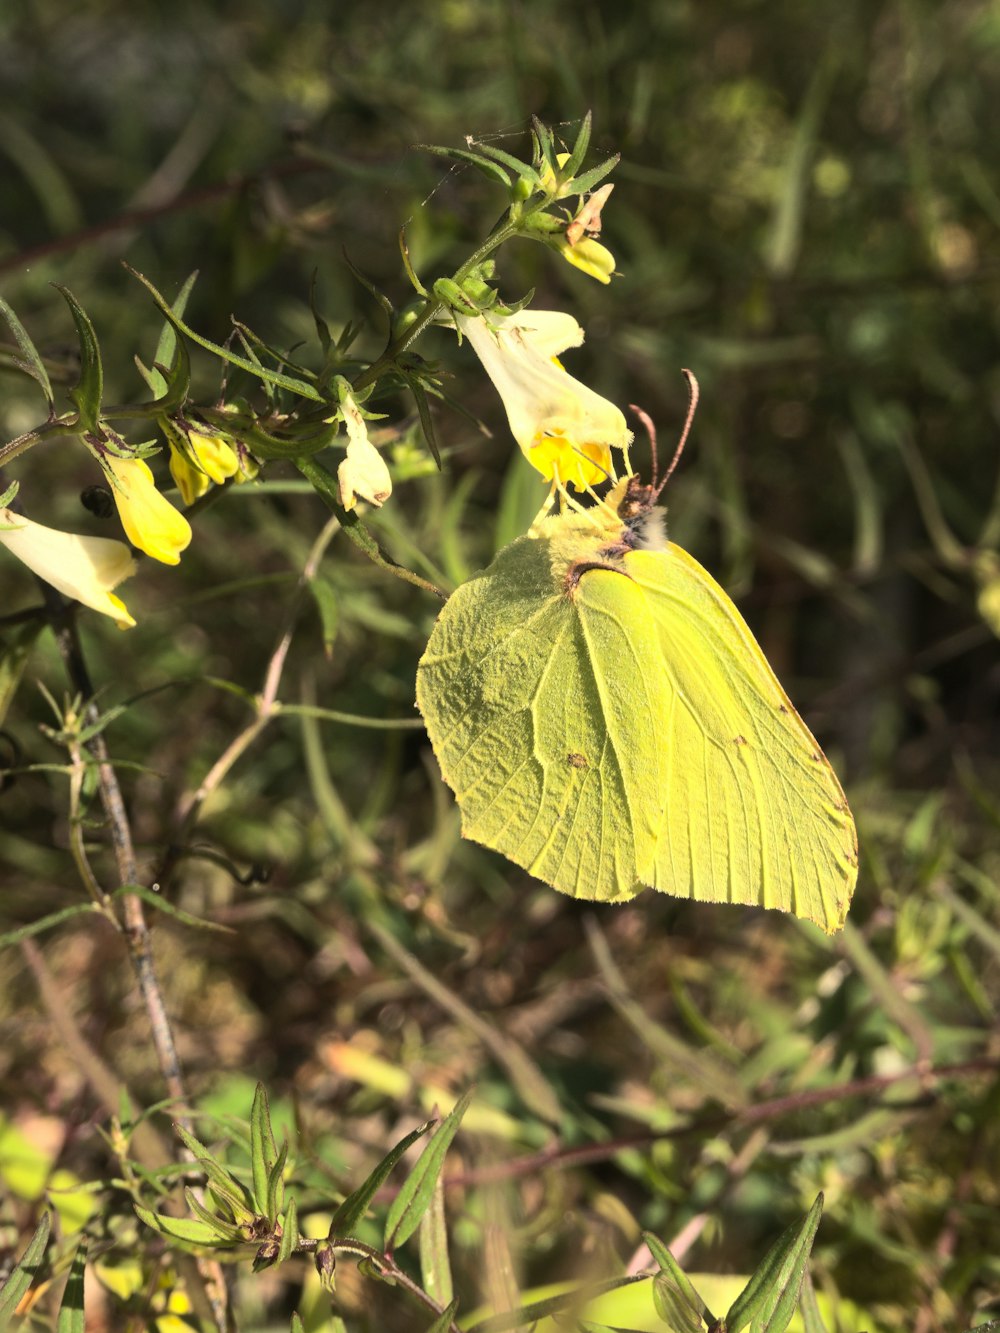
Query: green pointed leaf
{"x": 444, "y": 1320}
{"x": 426, "y": 420}
{"x": 26, "y": 1269}
{"x": 768, "y": 1301}
{"x": 229, "y": 1230}
{"x": 368, "y": 285}
{"x": 297, "y": 1324}
{"x": 263, "y": 1149}
{"x": 162, "y": 904}
{"x": 225, "y": 1184}
{"x": 44, "y": 923}
{"x": 302, "y": 387}
{"x": 183, "y": 1228}
{"x": 812, "y": 1320}
{"x": 289, "y": 1232}
{"x": 71, "y": 1317}
{"x": 518, "y": 167}
{"x": 675, "y": 1297}
{"x": 276, "y": 1185}
{"x": 355, "y": 1205}
{"x": 489, "y": 169}
{"x": 579, "y": 150}
{"x": 591, "y": 178}
{"x": 32, "y": 364}
{"x": 412, "y": 1201}
{"x": 170, "y": 389}
{"x": 435, "y": 1265}
{"x": 89, "y": 388}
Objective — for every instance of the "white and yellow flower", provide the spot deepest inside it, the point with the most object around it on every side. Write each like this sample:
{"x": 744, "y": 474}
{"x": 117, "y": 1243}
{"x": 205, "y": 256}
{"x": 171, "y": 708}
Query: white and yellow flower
{"x": 85, "y": 569}
{"x": 363, "y": 474}
{"x": 211, "y": 459}
{"x": 150, "y": 521}
{"x": 565, "y": 430}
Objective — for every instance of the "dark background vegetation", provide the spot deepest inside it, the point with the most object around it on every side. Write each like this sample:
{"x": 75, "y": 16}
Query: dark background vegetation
{"x": 806, "y": 214}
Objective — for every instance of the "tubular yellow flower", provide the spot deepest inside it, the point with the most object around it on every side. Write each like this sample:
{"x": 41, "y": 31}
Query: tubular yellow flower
{"x": 82, "y": 568}
{"x": 363, "y": 473}
{"x": 565, "y": 430}
{"x": 588, "y": 255}
{"x": 150, "y": 521}
{"x": 216, "y": 461}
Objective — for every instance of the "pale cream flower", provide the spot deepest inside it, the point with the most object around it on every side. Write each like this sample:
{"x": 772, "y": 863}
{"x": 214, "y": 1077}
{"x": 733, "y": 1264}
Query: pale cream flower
{"x": 84, "y": 569}
{"x": 363, "y": 474}
{"x": 150, "y": 521}
{"x": 565, "y": 430}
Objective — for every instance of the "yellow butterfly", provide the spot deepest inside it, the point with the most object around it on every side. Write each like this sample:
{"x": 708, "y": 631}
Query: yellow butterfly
{"x": 607, "y": 720}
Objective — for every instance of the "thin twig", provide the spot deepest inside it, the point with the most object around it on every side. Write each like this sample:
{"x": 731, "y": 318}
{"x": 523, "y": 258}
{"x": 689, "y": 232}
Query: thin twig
{"x": 560, "y": 1159}
{"x": 267, "y": 708}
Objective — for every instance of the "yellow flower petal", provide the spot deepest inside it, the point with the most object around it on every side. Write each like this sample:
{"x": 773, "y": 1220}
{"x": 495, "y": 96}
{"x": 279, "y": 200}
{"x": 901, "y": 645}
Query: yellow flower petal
{"x": 84, "y": 569}
{"x": 564, "y": 429}
{"x": 190, "y": 481}
{"x": 589, "y": 256}
{"x": 216, "y": 456}
{"x": 150, "y": 521}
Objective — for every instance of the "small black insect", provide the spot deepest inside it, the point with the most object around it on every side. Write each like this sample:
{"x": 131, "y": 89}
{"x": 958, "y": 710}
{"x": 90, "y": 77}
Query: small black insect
{"x": 98, "y": 500}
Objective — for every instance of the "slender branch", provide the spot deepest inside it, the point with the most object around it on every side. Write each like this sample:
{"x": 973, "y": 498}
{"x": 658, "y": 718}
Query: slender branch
{"x": 136, "y": 927}
{"x": 558, "y": 1158}
{"x": 267, "y": 708}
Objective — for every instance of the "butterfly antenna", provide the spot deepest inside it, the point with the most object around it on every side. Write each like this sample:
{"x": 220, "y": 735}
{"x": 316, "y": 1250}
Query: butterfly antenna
{"x": 693, "y": 394}
{"x": 650, "y": 429}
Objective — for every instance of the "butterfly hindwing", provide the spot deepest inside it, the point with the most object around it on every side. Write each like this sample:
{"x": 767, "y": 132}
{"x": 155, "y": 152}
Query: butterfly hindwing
{"x": 752, "y": 812}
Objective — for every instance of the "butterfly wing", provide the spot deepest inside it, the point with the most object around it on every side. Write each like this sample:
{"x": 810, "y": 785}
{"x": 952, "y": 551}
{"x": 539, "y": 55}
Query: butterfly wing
{"x": 751, "y": 811}
{"x": 538, "y": 712}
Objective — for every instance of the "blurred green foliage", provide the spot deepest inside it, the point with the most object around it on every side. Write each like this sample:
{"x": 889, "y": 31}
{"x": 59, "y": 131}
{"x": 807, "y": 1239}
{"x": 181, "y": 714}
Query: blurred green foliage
{"x": 806, "y": 214}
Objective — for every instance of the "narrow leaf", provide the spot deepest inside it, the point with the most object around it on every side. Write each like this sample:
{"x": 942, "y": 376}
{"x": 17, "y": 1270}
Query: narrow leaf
{"x": 518, "y": 167}
{"x": 812, "y": 1320}
{"x": 71, "y": 1318}
{"x": 412, "y": 1201}
{"x": 229, "y": 1230}
{"x": 89, "y": 388}
{"x": 590, "y": 178}
{"x": 289, "y": 1232}
{"x": 426, "y": 420}
{"x": 435, "y": 1265}
{"x": 180, "y": 1228}
{"x": 276, "y": 1185}
{"x": 769, "y": 1299}
{"x": 301, "y": 387}
{"x": 44, "y": 923}
{"x": 32, "y": 364}
{"x": 355, "y": 1205}
{"x": 26, "y": 1269}
{"x": 489, "y": 169}
{"x": 572, "y": 165}
{"x": 263, "y": 1150}
{"x": 674, "y": 1295}
{"x": 444, "y": 1320}
{"x": 162, "y": 904}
